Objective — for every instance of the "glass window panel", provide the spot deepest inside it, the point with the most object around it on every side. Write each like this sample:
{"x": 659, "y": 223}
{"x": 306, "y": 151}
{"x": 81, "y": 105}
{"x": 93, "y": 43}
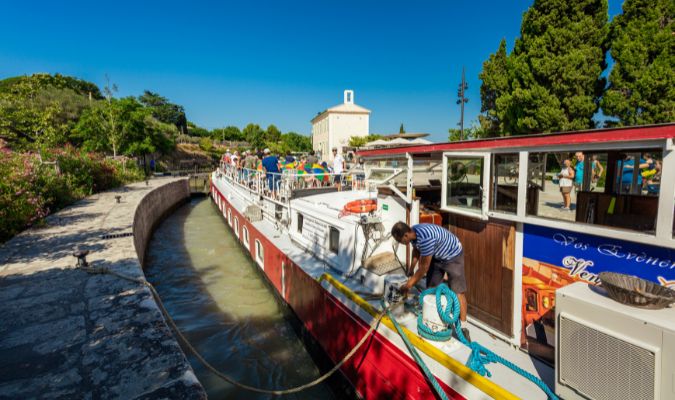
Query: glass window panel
{"x": 609, "y": 188}
{"x": 504, "y": 183}
{"x": 550, "y": 189}
{"x": 465, "y": 182}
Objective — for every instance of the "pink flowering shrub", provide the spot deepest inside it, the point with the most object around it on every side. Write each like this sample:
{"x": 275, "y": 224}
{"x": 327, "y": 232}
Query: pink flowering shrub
{"x": 31, "y": 189}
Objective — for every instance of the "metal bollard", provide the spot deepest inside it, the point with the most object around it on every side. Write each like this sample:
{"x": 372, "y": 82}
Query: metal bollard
{"x": 118, "y": 198}
{"x": 81, "y": 256}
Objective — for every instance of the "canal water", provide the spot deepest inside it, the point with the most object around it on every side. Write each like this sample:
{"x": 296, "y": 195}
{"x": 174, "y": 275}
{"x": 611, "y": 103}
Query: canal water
{"x": 221, "y": 303}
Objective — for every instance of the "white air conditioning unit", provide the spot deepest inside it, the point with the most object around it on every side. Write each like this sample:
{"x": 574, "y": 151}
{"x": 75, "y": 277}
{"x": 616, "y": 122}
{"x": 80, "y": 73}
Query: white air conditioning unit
{"x": 609, "y": 351}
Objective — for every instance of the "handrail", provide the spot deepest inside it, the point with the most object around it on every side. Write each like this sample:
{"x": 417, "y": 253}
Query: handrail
{"x": 283, "y": 183}
{"x": 480, "y": 382}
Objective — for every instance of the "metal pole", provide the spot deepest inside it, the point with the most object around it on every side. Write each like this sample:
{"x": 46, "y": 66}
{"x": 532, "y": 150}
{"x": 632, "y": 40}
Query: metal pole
{"x": 461, "y": 118}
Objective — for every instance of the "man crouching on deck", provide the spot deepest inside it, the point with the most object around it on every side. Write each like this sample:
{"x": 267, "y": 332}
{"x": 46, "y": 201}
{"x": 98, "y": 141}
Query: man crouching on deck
{"x": 438, "y": 252}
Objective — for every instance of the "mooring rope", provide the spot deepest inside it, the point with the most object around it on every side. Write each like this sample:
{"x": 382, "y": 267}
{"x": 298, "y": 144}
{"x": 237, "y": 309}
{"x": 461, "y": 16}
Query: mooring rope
{"x": 415, "y": 355}
{"x": 214, "y": 370}
{"x": 480, "y": 355}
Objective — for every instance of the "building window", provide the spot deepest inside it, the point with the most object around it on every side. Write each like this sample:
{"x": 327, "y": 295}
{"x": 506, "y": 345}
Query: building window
{"x": 610, "y": 188}
{"x": 259, "y": 254}
{"x": 301, "y": 219}
{"x": 334, "y": 240}
{"x": 504, "y": 189}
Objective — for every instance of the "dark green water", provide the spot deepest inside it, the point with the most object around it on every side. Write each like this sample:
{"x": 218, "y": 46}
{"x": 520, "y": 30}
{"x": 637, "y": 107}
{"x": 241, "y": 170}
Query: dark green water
{"x": 221, "y": 303}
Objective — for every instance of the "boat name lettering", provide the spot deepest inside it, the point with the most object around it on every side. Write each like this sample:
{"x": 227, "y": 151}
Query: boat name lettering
{"x": 614, "y": 250}
{"x": 578, "y": 266}
{"x": 569, "y": 240}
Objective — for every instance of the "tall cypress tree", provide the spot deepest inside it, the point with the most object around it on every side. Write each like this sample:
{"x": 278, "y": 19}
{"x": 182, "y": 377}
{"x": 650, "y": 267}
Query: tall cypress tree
{"x": 554, "y": 71}
{"x": 642, "y": 81}
{"x": 495, "y": 83}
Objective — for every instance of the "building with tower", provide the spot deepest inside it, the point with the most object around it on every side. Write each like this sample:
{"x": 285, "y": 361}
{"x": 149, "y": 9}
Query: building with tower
{"x": 334, "y": 126}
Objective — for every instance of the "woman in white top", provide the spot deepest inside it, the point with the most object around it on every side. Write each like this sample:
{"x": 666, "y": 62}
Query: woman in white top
{"x": 566, "y": 180}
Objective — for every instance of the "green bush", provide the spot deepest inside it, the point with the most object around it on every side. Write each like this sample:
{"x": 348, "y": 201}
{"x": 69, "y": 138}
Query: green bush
{"x": 31, "y": 189}
{"x": 205, "y": 144}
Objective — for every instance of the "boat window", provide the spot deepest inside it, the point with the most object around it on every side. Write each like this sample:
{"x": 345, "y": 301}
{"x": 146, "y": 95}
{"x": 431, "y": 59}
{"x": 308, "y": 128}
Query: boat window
{"x": 245, "y": 232}
{"x": 259, "y": 253}
{"x": 465, "y": 182}
{"x": 236, "y": 226}
{"x": 379, "y": 170}
{"x": 334, "y": 240}
{"x": 611, "y": 188}
{"x": 301, "y": 219}
{"x": 229, "y": 216}
{"x": 504, "y": 189}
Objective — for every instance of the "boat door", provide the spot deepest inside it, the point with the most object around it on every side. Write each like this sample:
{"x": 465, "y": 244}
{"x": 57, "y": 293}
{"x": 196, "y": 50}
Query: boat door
{"x": 489, "y": 244}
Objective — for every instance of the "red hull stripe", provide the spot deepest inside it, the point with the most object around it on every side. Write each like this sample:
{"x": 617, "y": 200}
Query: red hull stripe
{"x": 555, "y": 139}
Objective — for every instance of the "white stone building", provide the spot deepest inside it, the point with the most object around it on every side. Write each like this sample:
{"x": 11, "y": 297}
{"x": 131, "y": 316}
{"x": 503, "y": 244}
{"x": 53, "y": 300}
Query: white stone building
{"x": 334, "y": 127}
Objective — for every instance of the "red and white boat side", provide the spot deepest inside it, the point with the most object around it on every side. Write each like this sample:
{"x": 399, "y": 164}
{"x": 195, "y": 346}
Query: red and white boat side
{"x": 499, "y": 196}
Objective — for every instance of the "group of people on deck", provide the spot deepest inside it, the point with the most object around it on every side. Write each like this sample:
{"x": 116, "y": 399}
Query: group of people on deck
{"x": 271, "y": 165}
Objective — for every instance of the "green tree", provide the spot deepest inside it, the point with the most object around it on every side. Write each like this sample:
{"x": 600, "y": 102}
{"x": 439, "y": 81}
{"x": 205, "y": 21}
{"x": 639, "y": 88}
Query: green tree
{"x": 360, "y": 141}
{"x": 194, "y": 130}
{"x": 495, "y": 82}
{"x": 254, "y": 135}
{"x": 165, "y": 111}
{"x": 272, "y": 134}
{"x": 642, "y": 81}
{"x": 58, "y": 81}
{"x": 227, "y": 133}
{"x": 401, "y": 129}
{"x": 554, "y": 71}
{"x": 27, "y": 120}
{"x": 296, "y": 142}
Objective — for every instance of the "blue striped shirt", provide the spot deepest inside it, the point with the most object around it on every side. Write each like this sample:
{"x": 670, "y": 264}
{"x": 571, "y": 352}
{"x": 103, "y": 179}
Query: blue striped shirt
{"x": 438, "y": 242}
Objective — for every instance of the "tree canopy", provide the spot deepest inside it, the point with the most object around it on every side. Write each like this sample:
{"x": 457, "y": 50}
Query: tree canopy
{"x": 360, "y": 141}
{"x": 165, "y": 111}
{"x": 642, "y": 81}
{"x": 552, "y": 80}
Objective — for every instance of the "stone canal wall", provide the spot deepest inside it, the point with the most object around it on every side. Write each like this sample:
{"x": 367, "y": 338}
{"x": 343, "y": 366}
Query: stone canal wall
{"x": 65, "y": 333}
{"x": 152, "y": 209}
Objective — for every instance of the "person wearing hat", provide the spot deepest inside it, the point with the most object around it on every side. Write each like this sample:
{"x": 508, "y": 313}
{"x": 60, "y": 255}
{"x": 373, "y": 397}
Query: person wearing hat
{"x": 270, "y": 165}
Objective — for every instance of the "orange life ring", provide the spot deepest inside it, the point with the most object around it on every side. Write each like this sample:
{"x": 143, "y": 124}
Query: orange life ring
{"x": 361, "y": 206}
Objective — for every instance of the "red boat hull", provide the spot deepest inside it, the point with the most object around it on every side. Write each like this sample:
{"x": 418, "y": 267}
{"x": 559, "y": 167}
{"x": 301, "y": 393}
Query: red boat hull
{"x": 379, "y": 369}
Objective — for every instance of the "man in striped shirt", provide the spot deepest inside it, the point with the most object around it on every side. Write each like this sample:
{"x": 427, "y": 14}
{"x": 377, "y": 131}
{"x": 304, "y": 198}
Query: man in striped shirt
{"x": 438, "y": 252}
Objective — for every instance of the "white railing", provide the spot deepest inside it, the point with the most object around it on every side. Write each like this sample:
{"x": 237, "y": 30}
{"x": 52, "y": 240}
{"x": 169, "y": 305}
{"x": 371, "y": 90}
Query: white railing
{"x": 280, "y": 186}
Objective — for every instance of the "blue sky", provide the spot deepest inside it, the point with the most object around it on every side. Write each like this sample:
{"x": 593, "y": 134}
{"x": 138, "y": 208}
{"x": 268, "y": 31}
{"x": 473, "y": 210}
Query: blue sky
{"x": 231, "y": 63}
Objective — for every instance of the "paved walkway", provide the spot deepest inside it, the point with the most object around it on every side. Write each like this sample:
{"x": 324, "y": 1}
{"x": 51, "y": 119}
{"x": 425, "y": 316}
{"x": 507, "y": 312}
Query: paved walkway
{"x": 68, "y": 334}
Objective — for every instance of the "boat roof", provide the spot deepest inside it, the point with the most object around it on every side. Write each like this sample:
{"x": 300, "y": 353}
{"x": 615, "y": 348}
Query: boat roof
{"x": 623, "y": 134}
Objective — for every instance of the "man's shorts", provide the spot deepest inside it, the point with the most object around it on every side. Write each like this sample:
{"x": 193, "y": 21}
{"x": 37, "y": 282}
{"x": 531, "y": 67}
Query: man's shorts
{"x": 337, "y": 178}
{"x": 455, "y": 270}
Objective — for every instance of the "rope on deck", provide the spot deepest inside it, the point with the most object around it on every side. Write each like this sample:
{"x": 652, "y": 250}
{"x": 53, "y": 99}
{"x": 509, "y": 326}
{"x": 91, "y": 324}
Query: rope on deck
{"x": 214, "y": 370}
{"x": 480, "y": 355}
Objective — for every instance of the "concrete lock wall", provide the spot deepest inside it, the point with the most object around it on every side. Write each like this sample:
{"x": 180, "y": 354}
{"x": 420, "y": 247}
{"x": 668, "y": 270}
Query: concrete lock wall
{"x": 153, "y": 208}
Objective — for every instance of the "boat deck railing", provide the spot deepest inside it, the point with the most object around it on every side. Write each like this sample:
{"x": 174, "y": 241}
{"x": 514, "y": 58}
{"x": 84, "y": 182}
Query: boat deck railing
{"x": 279, "y": 187}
